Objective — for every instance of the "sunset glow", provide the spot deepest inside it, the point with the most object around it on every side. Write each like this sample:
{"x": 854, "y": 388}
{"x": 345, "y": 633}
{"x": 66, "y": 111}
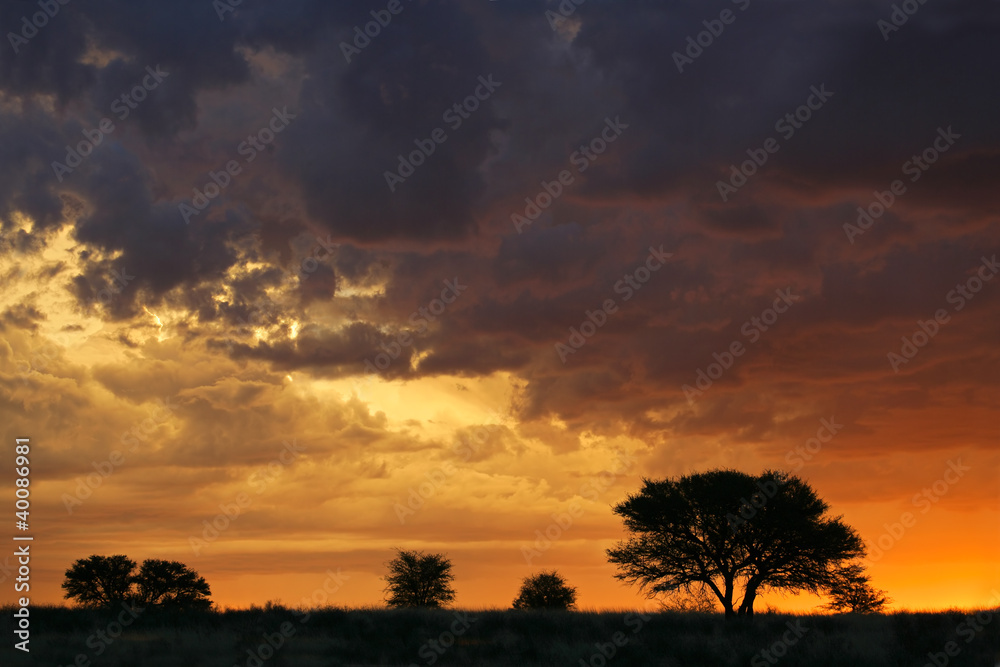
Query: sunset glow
{"x": 348, "y": 349}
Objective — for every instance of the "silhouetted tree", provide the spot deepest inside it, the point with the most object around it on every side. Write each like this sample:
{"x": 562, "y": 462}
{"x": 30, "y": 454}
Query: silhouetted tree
{"x": 728, "y": 530}
{"x": 102, "y": 581}
{"x": 547, "y": 590}
{"x": 170, "y": 584}
{"x": 416, "y": 579}
{"x": 696, "y": 598}
{"x": 99, "y": 581}
{"x": 851, "y": 591}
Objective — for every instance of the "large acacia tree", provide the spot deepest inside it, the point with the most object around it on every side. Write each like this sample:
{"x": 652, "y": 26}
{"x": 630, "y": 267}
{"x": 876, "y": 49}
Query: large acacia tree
{"x": 734, "y": 534}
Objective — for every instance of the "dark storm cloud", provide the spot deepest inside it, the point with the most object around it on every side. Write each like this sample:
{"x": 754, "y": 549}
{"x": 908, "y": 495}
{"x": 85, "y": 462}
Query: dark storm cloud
{"x": 184, "y": 37}
{"x": 358, "y": 118}
{"x": 741, "y": 220}
{"x": 197, "y": 51}
{"x": 553, "y": 255}
{"x": 158, "y": 249}
{"x": 324, "y": 352}
{"x": 25, "y": 176}
{"x": 325, "y": 174}
{"x": 48, "y": 63}
{"x": 474, "y": 358}
{"x": 889, "y": 98}
{"x": 351, "y": 120}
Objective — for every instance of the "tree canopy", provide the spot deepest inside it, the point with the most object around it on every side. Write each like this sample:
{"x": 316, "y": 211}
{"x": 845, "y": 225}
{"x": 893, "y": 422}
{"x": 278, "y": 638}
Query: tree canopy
{"x": 416, "y": 579}
{"x": 732, "y": 532}
{"x": 99, "y": 581}
{"x": 546, "y": 590}
{"x": 169, "y": 583}
{"x": 104, "y": 581}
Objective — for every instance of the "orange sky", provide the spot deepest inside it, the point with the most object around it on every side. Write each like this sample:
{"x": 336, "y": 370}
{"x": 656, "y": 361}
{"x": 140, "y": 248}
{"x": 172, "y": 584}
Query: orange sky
{"x": 319, "y": 347}
{"x": 353, "y": 450}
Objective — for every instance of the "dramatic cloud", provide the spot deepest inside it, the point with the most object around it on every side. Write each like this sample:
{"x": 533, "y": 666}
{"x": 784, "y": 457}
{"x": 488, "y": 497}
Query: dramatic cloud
{"x": 425, "y": 278}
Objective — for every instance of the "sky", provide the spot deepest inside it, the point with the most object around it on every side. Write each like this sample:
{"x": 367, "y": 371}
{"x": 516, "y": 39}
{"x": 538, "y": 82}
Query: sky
{"x": 460, "y": 282}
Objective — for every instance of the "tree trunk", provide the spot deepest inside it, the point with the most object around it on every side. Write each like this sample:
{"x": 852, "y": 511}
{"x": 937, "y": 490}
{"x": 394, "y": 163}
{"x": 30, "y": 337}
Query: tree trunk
{"x": 724, "y": 596}
{"x": 727, "y": 601}
{"x": 746, "y": 607}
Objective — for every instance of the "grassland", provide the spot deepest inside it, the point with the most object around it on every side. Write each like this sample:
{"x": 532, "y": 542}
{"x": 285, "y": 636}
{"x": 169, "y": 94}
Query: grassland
{"x": 335, "y": 637}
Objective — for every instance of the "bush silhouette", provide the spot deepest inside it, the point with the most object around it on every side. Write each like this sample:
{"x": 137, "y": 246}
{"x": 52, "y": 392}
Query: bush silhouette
{"x": 547, "y": 590}
{"x": 417, "y": 579}
{"x": 852, "y": 592}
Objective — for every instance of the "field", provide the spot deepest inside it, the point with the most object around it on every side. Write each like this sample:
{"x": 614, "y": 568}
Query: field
{"x": 331, "y": 637}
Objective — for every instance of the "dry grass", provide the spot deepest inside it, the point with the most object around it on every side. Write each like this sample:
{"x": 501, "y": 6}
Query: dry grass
{"x": 335, "y": 637}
